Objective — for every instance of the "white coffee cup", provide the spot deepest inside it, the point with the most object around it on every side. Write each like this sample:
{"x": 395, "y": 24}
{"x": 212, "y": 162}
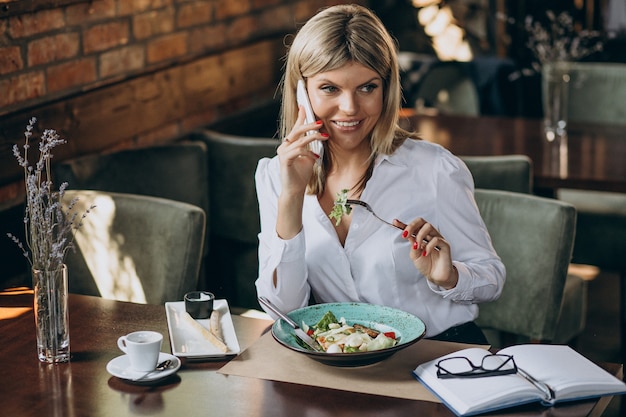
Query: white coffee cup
{"x": 143, "y": 348}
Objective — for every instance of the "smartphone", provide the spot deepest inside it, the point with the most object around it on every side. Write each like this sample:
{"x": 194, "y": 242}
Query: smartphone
{"x": 303, "y": 100}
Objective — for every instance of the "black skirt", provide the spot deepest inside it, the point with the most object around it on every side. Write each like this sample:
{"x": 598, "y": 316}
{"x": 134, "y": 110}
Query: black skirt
{"x": 463, "y": 333}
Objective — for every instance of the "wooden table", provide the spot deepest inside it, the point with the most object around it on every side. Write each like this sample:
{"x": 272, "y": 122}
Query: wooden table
{"x": 592, "y": 157}
{"x": 83, "y": 387}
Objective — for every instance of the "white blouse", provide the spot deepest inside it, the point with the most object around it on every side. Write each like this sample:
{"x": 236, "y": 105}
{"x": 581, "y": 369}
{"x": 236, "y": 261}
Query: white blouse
{"x": 420, "y": 179}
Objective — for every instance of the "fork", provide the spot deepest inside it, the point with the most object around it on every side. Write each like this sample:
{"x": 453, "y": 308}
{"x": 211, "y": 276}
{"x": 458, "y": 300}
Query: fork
{"x": 371, "y": 210}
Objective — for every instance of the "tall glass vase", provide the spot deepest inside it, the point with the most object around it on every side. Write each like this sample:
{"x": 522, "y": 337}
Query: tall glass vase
{"x": 555, "y": 94}
{"x": 51, "y": 315}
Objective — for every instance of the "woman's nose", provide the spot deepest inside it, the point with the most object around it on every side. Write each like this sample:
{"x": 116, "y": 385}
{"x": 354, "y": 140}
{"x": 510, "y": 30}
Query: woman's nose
{"x": 348, "y": 103}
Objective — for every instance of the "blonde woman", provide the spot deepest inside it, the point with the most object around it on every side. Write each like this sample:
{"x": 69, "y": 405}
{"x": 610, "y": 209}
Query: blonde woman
{"x": 439, "y": 263}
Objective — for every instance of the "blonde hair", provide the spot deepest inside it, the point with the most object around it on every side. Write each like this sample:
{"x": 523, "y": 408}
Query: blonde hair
{"x": 331, "y": 39}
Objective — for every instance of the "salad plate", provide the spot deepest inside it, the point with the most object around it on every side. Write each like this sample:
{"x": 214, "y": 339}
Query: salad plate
{"x": 408, "y": 329}
{"x": 188, "y": 342}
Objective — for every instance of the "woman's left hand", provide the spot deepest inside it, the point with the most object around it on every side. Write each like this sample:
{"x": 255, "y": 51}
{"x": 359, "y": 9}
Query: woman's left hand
{"x": 430, "y": 252}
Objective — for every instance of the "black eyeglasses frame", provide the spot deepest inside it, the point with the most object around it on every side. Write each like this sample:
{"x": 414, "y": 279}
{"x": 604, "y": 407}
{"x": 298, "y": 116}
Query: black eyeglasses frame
{"x": 477, "y": 371}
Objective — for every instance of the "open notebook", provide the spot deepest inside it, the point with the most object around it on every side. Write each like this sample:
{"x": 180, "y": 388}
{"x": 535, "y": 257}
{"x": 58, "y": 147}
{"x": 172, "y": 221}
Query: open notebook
{"x": 549, "y": 374}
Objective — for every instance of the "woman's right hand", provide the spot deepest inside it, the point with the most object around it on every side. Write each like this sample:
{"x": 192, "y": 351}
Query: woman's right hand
{"x": 296, "y": 168}
{"x": 296, "y": 159}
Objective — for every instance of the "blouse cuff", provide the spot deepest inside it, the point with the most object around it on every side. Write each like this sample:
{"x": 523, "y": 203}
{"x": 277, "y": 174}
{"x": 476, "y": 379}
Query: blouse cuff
{"x": 462, "y": 291}
{"x": 292, "y": 249}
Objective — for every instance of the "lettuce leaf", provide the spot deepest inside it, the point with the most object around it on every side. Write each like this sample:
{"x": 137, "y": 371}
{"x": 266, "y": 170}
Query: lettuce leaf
{"x": 327, "y": 319}
{"x": 341, "y": 207}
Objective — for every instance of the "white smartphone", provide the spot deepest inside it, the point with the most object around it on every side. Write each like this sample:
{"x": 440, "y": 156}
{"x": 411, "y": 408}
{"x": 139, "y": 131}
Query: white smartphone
{"x": 303, "y": 100}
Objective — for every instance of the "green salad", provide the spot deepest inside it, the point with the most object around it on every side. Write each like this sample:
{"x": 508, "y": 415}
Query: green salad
{"x": 336, "y": 336}
{"x": 341, "y": 207}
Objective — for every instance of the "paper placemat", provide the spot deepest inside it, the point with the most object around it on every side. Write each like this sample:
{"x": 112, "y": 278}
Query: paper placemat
{"x": 392, "y": 377}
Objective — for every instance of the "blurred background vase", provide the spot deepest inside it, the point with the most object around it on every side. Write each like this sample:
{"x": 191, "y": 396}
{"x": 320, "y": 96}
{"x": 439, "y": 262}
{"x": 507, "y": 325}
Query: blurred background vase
{"x": 51, "y": 315}
{"x": 555, "y": 79}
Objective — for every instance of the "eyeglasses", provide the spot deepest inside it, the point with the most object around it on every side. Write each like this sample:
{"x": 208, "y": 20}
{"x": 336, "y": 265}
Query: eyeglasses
{"x": 462, "y": 367}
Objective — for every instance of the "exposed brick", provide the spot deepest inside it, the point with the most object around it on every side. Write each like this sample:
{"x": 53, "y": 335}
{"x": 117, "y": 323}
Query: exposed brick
{"x": 194, "y": 14}
{"x": 207, "y": 38}
{"x": 90, "y": 12}
{"x": 229, "y": 8}
{"x": 33, "y": 23}
{"x": 259, "y": 4}
{"x": 53, "y": 48}
{"x": 167, "y": 47}
{"x": 119, "y": 61}
{"x": 4, "y": 38}
{"x": 277, "y": 19}
{"x": 10, "y": 59}
{"x": 127, "y": 7}
{"x": 156, "y": 22}
{"x": 303, "y": 12}
{"x": 105, "y": 36}
{"x": 241, "y": 29}
{"x": 71, "y": 74}
{"x": 21, "y": 88}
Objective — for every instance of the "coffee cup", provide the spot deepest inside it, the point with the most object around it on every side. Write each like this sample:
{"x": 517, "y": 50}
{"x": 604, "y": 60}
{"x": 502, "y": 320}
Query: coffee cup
{"x": 143, "y": 348}
{"x": 199, "y": 304}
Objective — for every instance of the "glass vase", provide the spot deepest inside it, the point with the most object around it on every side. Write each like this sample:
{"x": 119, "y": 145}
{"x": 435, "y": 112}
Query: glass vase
{"x": 51, "y": 315}
{"x": 555, "y": 94}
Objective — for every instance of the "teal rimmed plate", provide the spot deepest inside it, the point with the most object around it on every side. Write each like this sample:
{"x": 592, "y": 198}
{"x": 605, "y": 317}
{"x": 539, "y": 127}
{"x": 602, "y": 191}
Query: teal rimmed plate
{"x": 408, "y": 329}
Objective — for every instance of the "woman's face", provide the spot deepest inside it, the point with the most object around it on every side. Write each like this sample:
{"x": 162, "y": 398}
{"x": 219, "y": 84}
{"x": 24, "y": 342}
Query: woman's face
{"x": 349, "y": 101}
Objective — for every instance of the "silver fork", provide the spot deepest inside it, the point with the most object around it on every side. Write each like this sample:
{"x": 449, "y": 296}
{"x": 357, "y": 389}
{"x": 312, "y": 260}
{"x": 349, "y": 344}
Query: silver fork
{"x": 371, "y": 210}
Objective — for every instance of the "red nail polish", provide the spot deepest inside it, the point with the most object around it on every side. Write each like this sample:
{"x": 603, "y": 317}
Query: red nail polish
{"x": 405, "y": 233}
{"x": 318, "y": 122}
{"x": 325, "y": 135}
{"x": 415, "y": 246}
{"x": 424, "y": 253}
{"x": 316, "y": 155}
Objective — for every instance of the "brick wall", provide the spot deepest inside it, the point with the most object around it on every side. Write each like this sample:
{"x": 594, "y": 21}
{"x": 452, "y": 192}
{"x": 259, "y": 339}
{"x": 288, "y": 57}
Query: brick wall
{"x": 73, "y": 67}
{"x": 56, "y": 52}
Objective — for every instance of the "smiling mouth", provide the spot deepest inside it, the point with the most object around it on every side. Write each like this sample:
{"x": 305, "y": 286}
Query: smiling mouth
{"x": 347, "y": 124}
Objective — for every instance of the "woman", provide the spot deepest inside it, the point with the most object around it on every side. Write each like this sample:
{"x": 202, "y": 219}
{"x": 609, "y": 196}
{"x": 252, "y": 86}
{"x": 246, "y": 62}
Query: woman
{"x": 438, "y": 264}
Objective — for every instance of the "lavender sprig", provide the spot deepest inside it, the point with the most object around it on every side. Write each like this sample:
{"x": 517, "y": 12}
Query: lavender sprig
{"x": 47, "y": 228}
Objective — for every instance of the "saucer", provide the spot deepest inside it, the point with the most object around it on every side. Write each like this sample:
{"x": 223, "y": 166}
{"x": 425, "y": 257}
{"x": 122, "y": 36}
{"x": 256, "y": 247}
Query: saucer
{"x": 120, "y": 367}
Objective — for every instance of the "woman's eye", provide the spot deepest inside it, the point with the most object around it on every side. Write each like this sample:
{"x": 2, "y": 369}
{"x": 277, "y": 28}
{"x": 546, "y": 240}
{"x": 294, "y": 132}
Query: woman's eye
{"x": 331, "y": 89}
{"x": 368, "y": 88}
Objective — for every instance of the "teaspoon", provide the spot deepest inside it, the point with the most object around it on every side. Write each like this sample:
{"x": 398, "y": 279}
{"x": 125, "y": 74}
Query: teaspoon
{"x": 160, "y": 367}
